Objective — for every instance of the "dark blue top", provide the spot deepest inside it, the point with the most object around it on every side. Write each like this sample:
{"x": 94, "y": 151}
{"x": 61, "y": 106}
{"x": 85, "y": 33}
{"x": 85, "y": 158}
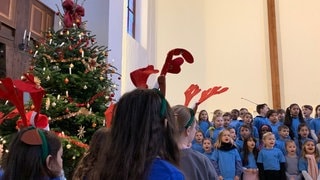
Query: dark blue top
{"x": 162, "y": 169}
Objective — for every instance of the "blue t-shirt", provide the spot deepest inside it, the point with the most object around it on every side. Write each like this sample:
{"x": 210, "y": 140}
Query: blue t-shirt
{"x": 281, "y": 144}
{"x": 197, "y": 147}
{"x": 162, "y": 169}
{"x": 315, "y": 125}
{"x": 294, "y": 127}
{"x": 252, "y": 163}
{"x": 308, "y": 121}
{"x": 216, "y": 134}
{"x": 274, "y": 128}
{"x": 234, "y": 123}
{"x": 303, "y": 164}
{"x": 271, "y": 158}
{"x": 204, "y": 126}
{"x": 209, "y": 155}
{"x": 227, "y": 162}
{"x": 258, "y": 121}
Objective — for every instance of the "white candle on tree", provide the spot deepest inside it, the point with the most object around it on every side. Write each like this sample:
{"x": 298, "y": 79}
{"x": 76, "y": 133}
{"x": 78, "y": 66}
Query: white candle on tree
{"x": 24, "y": 35}
{"x": 29, "y": 36}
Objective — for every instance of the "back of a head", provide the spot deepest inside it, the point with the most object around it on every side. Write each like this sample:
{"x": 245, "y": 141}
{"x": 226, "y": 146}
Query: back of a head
{"x": 27, "y": 157}
{"x": 142, "y": 129}
{"x": 183, "y": 115}
{"x": 98, "y": 141}
{"x": 259, "y": 107}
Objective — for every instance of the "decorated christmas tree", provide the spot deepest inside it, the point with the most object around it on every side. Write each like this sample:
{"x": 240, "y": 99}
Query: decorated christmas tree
{"x": 77, "y": 80}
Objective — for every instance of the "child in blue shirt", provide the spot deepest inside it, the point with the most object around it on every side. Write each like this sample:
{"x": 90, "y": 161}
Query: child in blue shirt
{"x": 197, "y": 142}
{"x": 245, "y": 132}
{"x": 263, "y": 129}
{"x": 292, "y": 119}
{"x": 271, "y": 161}
{"x": 207, "y": 147}
{"x": 261, "y": 118}
{"x": 218, "y": 125}
{"x": 307, "y": 111}
{"x": 234, "y": 118}
{"x": 226, "y": 158}
{"x": 315, "y": 124}
{"x": 303, "y": 135}
{"x": 283, "y": 132}
{"x": 247, "y": 120}
{"x": 227, "y": 119}
{"x": 204, "y": 122}
{"x": 249, "y": 159}
{"x": 309, "y": 162}
{"x": 272, "y": 115}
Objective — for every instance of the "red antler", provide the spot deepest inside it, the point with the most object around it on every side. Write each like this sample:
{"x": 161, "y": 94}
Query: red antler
{"x": 13, "y": 91}
{"x": 140, "y": 76}
{"x": 172, "y": 65}
{"x": 190, "y": 93}
{"x": 210, "y": 92}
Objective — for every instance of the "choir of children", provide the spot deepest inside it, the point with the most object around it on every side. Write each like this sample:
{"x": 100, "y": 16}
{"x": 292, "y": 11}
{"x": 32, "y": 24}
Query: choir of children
{"x": 265, "y": 148}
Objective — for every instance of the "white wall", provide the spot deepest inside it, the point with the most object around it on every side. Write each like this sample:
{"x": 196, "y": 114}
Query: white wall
{"x": 230, "y": 45}
{"x": 299, "y": 37}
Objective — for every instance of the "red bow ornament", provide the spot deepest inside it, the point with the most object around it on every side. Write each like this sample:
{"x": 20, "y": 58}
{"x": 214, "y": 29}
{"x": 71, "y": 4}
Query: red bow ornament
{"x": 72, "y": 13}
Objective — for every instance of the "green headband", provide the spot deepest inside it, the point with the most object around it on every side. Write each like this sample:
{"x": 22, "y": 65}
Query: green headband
{"x": 191, "y": 120}
{"x": 33, "y": 137}
{"x": 163, "y": 104}
{"x": 44, "y": 146}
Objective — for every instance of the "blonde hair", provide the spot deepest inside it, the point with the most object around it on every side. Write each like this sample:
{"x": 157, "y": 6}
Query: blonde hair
{"x": 265, "y": 135}
{"x": 218, "y": 112}
{"x": 218, "y": 143}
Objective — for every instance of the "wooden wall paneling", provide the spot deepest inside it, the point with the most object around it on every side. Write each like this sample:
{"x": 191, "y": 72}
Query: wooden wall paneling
{"x": 37, "y": 20}
{"x": 7, "y": 12}
{"x": 49, "y": 21}
{"x": 7, "y": 32}
{"x": 41, "y": 18}
{"x": 16, "y": 17}
{"x": 274, "y": 64}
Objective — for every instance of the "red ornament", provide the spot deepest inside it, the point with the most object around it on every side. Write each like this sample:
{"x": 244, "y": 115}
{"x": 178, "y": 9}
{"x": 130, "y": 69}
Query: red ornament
{"x": 66, "y": 80}
{"x": 67, "y": 110}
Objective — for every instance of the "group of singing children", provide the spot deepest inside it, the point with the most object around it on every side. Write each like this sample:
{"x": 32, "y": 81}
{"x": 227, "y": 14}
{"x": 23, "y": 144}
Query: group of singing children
{"x": 272, "y": 151}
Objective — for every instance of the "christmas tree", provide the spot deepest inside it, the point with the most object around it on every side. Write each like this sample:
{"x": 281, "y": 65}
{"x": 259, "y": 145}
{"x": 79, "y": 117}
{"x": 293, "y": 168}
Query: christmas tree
{"x": 73, "y": 71}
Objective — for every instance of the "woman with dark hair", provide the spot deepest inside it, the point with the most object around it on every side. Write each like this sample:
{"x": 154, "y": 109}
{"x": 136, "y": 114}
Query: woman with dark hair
{"x": 194, "y": 164}
{"x": 142, "y": 141}
{"x": 33, "y": 154}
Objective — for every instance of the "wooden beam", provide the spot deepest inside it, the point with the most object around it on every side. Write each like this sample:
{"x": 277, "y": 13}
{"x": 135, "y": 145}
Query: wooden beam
{"x": 273, "y": 46}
